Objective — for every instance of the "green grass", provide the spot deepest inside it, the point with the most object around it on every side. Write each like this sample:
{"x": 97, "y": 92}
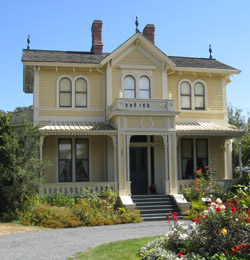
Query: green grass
{"x": 120, "y": 250}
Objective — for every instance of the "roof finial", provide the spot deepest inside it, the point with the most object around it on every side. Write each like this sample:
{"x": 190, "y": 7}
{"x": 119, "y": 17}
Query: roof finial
{"x": 136, "y": 24}
{"x": 210, "y": 52}
{"x": 28, "y": 41}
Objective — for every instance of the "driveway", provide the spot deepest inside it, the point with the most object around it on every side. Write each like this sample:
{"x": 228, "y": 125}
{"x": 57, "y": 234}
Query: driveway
{"x": 64, "y": 243}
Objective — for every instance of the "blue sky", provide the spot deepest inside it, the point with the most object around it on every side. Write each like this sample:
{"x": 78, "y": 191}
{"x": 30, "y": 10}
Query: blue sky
{"x": 183, "y": 28}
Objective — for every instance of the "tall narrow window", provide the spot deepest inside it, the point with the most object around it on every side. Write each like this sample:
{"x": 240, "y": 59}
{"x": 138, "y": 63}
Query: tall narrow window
{"x": 81, "y": 93}
{"x": 82, "y": 160}
{"x": 144, "y": 87}
{"x": 201, "y": 153}
{"x": 65, "y": 92}
{"x": 199, "y": 96}
{"x": 65, "y": 160}
{"x": 187, "y": 158}
{"x": 129, "y": 87}
{"x": 185, "y": 95}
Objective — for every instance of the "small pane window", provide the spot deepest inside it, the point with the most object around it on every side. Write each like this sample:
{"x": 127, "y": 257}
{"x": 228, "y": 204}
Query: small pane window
{"x": 65, "y": 92}
{"x": 201, "y": 153}
{"x": 81, "y": 93}
{"x": 65, "y": 160}
{"x": 199, "y": 96}
{"x": 187, "y": 158}
{"x": 129, "y": 87}
{"x": 82, "y": 160}
{"x": 185, "y": 95}
{"x": 144, "y": 87}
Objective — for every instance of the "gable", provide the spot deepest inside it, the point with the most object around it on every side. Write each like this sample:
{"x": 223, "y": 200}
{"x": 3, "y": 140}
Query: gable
{"x": 137, "y": 57}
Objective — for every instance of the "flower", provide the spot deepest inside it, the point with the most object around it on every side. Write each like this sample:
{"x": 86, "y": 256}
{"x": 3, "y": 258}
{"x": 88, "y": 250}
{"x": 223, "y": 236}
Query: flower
{"x": 196, "y": 189}
{"x": 247, "y": 220}
{"x": 243, "y": 246}
{"x": 218, "y": 200}
{"x": 181, "y": 254}
{"x": 223, "y": 231}
{"x": 248, "y": 212}
{"x": 218, "y": 209}
{"x": 233, "y": 210}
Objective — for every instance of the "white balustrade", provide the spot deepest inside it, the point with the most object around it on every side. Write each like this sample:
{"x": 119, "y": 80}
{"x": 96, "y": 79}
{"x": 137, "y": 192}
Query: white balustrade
{"x": 77, "y": 188}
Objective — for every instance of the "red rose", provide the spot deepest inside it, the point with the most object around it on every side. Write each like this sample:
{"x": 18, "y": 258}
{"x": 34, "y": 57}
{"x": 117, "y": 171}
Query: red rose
{"x": 174, "y": 218}
{"x": 248, "y": 212}
{"x": 247, "y": 220}
{"x": 233, "y": 210}
{"x": 194, "y": 219}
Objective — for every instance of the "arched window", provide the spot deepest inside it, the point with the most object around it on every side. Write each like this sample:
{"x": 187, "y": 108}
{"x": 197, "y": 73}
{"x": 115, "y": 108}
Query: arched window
{"x": 129, "y": 87}
{"x": 185, "y": 95}
{"x": 144, "y": 87}
{"x": 199, "y": 96}
{"x": 65, "y": 92}
{"x": 81, "y": 93}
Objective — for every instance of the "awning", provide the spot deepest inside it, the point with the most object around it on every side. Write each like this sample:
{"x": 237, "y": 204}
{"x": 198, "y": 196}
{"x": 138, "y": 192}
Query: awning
{"x": 78, "y": 128}
{"x": 207, "y": 129}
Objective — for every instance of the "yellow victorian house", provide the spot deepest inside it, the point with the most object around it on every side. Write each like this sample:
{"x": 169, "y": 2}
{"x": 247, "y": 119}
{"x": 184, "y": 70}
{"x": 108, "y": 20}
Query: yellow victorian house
{"x": 129, "y": 119}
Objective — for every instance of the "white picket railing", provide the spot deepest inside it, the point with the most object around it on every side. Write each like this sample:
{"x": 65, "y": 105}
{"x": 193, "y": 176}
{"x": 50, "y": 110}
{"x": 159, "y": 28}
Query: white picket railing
{"x": 77, "y": 188}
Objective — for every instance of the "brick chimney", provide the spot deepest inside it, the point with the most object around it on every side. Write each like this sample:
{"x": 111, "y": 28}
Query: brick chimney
{"x": 149, "y": 32}
{"x": 96, "y": 36}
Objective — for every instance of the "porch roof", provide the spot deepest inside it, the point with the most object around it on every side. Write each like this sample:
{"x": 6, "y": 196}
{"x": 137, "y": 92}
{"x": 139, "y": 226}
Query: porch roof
{"x": 207, "y": 129}
{"x": 78, "y": 128}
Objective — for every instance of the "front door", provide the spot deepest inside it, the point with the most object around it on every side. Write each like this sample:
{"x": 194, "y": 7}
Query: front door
{"x": 139, "y": 170}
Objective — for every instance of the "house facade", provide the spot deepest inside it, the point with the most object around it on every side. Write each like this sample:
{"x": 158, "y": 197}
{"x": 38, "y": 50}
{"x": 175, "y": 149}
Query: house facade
{"x": 129, "y": 119}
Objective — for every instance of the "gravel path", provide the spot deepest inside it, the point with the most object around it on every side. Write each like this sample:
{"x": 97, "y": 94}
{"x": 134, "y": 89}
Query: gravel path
{"x": 64, "y": 243}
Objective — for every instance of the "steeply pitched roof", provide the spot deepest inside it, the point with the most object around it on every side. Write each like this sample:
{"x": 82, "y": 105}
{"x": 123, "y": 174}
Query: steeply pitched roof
{"x": 199, "y": 63}
{"x": 90, "y": 58}
{"x": 62, "y": 56}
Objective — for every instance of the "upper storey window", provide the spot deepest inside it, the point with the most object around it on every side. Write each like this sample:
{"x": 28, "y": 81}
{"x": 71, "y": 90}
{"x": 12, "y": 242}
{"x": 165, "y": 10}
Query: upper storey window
{"x": 65, "y": 92}
{"x": 192, "y": 95}
{"x": 72, "y": 92}
{"x": 81, "y": 93}
{"x": 137, "y": 87}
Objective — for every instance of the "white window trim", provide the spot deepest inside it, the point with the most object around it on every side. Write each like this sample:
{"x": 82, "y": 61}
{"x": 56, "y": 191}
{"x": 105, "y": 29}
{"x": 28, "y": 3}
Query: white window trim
{"x": 137, "y": 75}
{"x": 73, "y": 81}
{"x": 192, "y": 84}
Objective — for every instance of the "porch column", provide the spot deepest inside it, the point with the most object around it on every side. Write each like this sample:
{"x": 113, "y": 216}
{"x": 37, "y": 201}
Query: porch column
{"x": 41, "y": 147}
{"x": 240, "y": 156}
{"x": 128, "y": 182}
{"x": 167, "y": 165}
{"x": 114, "y": 162}
{"x": 227, "y": 160}
{"x": 172, "y": 149}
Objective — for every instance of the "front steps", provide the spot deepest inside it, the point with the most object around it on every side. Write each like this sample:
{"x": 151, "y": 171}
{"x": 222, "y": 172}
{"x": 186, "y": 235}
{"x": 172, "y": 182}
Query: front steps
{"x": 155, "y": 207}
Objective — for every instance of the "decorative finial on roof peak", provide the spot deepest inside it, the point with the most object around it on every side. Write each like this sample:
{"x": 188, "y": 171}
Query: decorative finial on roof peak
{"x": 28, "y": 42}
{"x": 136, "y": 24}
{"x": 210, "y": 52}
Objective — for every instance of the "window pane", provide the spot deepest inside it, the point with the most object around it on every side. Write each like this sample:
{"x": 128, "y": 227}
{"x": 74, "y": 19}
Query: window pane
{"x": 144, "y": 83}
{"x": 65, "y": 149}
{"x": 199, "y": 89}
{"x": 129, "y": 83}
{"x": 65, "y": 85}
{"x": 81, "y": 99}
{"x": 187, "y": 158}
{"x": 129, "y": 94}
{"x": 65, "y": 162}
{"x": 82, "y": 149}
{"x": 144, "y": 94}
{"x": 81, "y": 85}
{"x": 82, "y": 160}
{"x": 185, "y": 88}
{"x": 186, "y": 102}
{"x": 65, "y": 99}
{"x": 199, "y": 102}
{"x": 201, "y": 148}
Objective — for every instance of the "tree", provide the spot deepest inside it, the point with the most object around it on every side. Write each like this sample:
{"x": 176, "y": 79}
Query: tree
{"x": 22, "y": 176}
{"x": 236, "y": 118}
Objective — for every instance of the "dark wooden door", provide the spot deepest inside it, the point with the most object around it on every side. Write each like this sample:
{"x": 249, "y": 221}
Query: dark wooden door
{"x": 139, "y": 170}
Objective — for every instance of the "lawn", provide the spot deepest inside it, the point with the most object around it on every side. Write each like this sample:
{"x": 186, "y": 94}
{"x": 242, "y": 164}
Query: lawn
{"x": 120, "y": 250}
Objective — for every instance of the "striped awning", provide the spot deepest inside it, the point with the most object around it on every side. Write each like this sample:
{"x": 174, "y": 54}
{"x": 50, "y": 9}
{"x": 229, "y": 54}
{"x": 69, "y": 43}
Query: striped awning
{"x": 78, "y": 128}
{"x": 207, "y": 129}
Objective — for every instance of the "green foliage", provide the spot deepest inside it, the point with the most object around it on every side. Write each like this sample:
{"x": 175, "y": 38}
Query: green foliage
{"x": 22, "y": 176}
{"x": 88, "y": 210}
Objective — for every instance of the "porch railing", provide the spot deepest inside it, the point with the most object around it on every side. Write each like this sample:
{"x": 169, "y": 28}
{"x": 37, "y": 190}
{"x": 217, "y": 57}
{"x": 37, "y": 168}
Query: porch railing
{"x": 77, "y": 188}
{"x": 132, "y": 104}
